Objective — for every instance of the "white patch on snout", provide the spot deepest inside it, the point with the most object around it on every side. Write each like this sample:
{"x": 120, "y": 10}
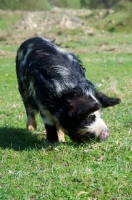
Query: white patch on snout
{"x": 97, "y": 126}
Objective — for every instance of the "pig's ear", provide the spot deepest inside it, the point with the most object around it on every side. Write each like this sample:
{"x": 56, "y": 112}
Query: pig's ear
{"x": 107, "y": 101}
{"x": 82, "y": 106}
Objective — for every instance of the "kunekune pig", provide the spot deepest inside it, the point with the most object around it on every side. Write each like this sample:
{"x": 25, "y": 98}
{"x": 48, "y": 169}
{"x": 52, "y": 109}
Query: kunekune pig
{"x": 52, "y": 82}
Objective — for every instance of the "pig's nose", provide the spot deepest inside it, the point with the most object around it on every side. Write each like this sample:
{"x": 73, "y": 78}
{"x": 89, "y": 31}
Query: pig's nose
{"x": 104, "y": 134}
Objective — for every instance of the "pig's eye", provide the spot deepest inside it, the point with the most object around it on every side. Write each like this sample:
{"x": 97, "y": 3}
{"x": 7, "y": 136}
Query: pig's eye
{"x": 91, "y": 117}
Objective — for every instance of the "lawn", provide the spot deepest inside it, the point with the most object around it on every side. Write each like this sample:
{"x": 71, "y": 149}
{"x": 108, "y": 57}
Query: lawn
{"x": 32, "y": 169}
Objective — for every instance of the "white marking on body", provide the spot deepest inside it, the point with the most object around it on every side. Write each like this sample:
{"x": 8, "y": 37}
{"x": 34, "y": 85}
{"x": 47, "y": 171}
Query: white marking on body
{"x": 31, "y": 89}
{"x": 94, "y": 98}
{"x": 90, "y": 93}
{"x": 41, "y": 51}
{"x": 47, "y": 117}
{"x": 59, "y": 49}
{"x": 64, "y": 80}
{"x": 20, "y": 55}
{"x": 54, "y": 46}
{"x": 45, "y": 39}
{"x": 29, "y": 49}
{"x": 70, "y": 57}
{"x": 58, "y": 87}
{"x": 59, "y": 69}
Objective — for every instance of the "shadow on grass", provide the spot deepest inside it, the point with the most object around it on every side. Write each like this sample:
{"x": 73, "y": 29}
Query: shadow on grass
{"x": 20, "y": 139}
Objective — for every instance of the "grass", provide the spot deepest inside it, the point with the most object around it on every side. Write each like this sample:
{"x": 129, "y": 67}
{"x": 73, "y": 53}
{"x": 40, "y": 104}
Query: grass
{"x": 117, "y": 19}
{"x": 32, "y": 169}
{"x": 6, "y": 21}
{"x": 24, "y": 5}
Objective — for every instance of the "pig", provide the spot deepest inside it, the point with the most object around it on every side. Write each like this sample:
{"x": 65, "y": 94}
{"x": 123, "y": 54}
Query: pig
{"x": 52, "y": 82}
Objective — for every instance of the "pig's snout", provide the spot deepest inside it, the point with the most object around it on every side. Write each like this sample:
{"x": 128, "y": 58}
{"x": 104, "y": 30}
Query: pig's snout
{"x": 104, "y": 134}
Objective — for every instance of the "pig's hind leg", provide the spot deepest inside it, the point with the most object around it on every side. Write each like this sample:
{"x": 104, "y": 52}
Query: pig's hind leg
{"x": 31, "y": 107}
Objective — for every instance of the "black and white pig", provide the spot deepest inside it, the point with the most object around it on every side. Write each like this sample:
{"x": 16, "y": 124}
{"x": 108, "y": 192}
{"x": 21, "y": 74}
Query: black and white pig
{"x": 52, "y": 82}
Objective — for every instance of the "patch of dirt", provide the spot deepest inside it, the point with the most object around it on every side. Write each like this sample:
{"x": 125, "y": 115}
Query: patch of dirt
{"x": 62, "y": 24}
{"x": 51, "y": 23}
{"x": 58, "y": 18}
{"x": 5, "y": 54}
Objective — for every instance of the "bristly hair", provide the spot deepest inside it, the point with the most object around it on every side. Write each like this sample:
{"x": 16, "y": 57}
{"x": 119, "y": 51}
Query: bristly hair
{"x": 78, "y": 60}
{"x": 81, "y": 63}
{"x": 52, "y": 82}
{"x": 53, "y": 40}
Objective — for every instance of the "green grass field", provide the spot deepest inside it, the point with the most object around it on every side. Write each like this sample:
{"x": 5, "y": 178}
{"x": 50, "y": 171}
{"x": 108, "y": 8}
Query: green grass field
{"x": 32, "y": 169}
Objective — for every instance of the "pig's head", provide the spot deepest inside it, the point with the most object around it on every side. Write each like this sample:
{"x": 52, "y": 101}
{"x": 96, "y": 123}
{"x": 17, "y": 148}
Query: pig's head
{"x": 82, "y": 120}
